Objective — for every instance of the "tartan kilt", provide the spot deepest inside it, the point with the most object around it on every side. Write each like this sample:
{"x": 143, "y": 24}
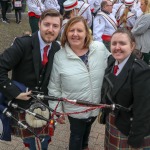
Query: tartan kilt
{"x": 115, "y": 140}
{"x": 18, "y": 131}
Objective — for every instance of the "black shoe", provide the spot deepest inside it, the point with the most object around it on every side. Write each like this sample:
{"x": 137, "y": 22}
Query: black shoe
{"x": 19, "y": 22}
{"x": 5, "y": 21}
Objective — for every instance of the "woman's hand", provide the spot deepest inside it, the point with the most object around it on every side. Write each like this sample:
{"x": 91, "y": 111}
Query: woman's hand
{"x": 24, "y": 96}
{"x": 61, "y": 119}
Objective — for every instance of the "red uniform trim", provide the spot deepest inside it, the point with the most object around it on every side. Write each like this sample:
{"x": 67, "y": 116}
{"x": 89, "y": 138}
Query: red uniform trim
{"x": 32, "y": 14}
{"x": 106, "y": 37}
{"x": 68, "y": 7}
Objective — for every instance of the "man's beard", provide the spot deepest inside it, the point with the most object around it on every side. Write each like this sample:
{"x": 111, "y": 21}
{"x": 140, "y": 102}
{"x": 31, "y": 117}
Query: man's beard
{"x": 48, "y": 40}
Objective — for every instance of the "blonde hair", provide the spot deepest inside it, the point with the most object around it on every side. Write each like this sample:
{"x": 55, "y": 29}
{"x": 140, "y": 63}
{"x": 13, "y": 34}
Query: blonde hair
{"x": 69, "y": 24}
{"x": 147, "y": 3}
{"x": 123, "y": 18}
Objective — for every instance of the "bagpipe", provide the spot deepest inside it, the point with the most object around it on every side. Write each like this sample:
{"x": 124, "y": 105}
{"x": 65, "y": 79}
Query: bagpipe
{"x": 6, "y": 115}
{"x": 38, "y": 97}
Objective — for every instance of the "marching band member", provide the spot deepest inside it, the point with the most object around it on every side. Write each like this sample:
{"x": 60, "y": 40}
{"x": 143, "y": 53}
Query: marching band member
{"x": 91, "y": 3}
{"x": 117, "y": 7}
{"x": 97, "y": 5}
{"x": 35, "y": 9}
{"x": 84, "y": 10}
{"x": 104, "y": 24}
{"x": 51, "y": 4}
{"x": 94, "y": 4}
{"x": 71, "y": 10}
{"x": 126, "y": 18}
{"x": 118, "y": 1}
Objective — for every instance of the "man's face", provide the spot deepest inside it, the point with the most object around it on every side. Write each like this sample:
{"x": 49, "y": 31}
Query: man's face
{"x": 109, "y": 7}
{"x": 49, "y": 28}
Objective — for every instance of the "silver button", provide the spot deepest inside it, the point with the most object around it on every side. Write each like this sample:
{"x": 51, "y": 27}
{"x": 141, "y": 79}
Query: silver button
{"x": 36, "y": 87}
{"x": 4, "y": 86}
{"x": 39, "y": 81}
{"x": 10, "y": 83}
{"x": 131, "y": 119}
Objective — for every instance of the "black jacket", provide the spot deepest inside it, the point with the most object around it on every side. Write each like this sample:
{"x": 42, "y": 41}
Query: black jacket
{"x": 130, "y": 88}
{"x": 24, "y": 59}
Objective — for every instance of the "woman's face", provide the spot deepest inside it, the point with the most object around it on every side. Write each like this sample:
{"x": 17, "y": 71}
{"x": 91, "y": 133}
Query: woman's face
{"x": 74, "y": 13}
{"x": 121, "y": 46}
{"x": 143, "y": 5}
{"x": 76, "y": 35}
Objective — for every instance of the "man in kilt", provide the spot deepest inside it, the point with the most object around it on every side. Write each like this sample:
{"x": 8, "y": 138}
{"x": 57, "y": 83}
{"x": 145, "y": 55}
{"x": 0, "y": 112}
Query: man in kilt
{"x": 30, "y": 58}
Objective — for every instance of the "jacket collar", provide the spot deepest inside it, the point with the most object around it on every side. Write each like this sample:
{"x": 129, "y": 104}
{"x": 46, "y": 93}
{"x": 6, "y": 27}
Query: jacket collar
{"x": 36, "y": 54}
{"x": 71, "y": 54}
{"x": 37, "y": 57}
{"x": 121, "y": 78}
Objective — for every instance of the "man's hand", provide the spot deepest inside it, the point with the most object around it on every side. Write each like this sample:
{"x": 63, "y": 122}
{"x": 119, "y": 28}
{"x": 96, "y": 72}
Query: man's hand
{"x": 24, "y": 96}
{"x": 61, "y": 119}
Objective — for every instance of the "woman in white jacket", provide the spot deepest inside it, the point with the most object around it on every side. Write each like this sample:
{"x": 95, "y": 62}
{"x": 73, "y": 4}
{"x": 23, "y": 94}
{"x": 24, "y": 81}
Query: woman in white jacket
{"x": 77, "y": 73}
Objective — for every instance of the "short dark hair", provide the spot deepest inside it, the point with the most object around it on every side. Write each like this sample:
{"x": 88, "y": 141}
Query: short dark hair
{"x": 51, "y": 13}
{"x": 103, "y": 4}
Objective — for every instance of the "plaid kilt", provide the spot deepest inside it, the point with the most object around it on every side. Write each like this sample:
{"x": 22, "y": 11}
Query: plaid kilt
{"x": 18, "y": 131}
{"x": 115, "y": 140}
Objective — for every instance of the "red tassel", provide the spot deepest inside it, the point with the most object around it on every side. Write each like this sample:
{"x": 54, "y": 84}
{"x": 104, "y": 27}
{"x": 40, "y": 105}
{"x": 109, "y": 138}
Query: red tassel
{"x": 51, "y": 127}
{"x": 27, "y": 145}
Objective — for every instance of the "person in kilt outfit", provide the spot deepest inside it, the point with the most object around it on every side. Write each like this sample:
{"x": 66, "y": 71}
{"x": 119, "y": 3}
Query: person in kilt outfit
{"x": 126, "y": 83}
{"x": 30, "y": 65}
{"x": 35, "y": 9}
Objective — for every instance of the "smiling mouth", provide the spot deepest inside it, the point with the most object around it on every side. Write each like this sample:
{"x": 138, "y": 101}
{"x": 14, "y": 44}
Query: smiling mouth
{"x": 49, "y": 34}
{"x": 75, "y": 39}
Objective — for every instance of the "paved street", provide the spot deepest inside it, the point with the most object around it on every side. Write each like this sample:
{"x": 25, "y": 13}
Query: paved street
{"x": 61, "y": 138}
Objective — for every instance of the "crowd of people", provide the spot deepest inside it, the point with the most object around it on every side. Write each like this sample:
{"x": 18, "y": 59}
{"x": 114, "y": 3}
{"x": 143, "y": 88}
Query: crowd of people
{"x": 85, "y": 53}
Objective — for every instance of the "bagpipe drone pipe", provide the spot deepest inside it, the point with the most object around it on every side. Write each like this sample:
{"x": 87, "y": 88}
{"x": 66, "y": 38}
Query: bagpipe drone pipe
{"x": 38, "y": 98}
{"x": 5, "y": 121}
{"x": 6, "y": 115}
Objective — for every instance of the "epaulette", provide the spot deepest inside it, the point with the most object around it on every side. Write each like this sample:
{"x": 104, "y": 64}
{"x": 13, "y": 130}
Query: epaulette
{"x": 27, "y": 35}
{"x": 111, "y": 60}
{"x": 140, "y": 63}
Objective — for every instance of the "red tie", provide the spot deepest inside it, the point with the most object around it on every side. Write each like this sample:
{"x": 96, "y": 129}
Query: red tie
{"x": 45, "y": 58}
{"x": 115, "y": 69}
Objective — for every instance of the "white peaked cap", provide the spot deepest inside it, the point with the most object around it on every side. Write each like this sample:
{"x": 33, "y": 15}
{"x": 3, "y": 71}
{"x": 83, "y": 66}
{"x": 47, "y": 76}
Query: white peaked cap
{"x": 70, "y": 5}
{"x": 129, "y": 2}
